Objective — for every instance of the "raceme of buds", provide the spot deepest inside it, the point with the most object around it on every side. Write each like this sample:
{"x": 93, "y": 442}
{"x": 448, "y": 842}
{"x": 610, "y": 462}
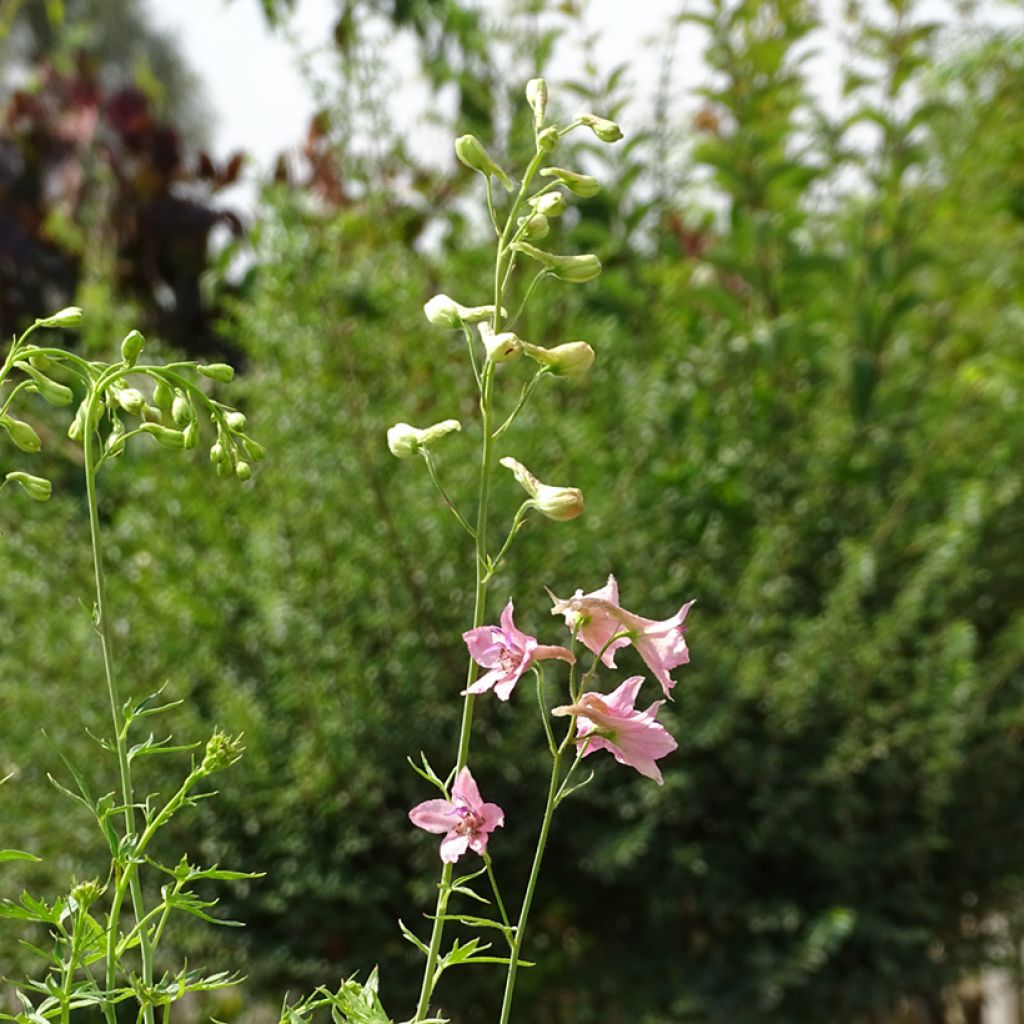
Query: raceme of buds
{"x": 574, "y": 269}
{"x": 559, "y": 503}
{"x": 534, "y": 227}
{"x": 221, "y": 372}
{"x": 51, "y": 391}
{"x": 406, "y": 441}
{"x": 69, "y": 317}
{"x": 551, "y": 204}
{"x": 131, "y": 347}
{"x": 470, "y": 151}
{"x": 21, "y": 434}
{"x": 537, "y": 97}
{"x": 605, "y": 130}
{"x": 501, "y": 348}
{"x": 582, "y": 185}
{"x": 36, "y": 487}
{"x": 444, "y": 311}
{"x": 571, "y": 359}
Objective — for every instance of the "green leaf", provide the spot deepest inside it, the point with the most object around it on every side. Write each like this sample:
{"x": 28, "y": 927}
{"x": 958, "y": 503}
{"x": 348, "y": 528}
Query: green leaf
{"x": 7, "y": 855}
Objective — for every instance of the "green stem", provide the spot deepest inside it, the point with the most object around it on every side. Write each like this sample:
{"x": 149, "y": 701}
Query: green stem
{"x": 432, "y": 470}
{"x": 102, "y": 621}
{"x": 497, "y": 894}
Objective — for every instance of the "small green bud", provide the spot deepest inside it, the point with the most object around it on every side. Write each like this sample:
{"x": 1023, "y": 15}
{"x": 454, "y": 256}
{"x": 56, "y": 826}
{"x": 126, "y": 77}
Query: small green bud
{"x": 218, "y": 371}
{"x": 547, "y": 139}
{"x": 164, "y": 435}
{"x": 163, "y": 395}
{"x": 580, "y": 184}
{"x": 114, "y": 444}
{"x": 37, "y": 488}
{"x": 501, "y": 348}
{"x": 551, "y": 204}
{"x": 222, "y": 750}
{"x": 559, "y": 503}
{"x": 574, "y": 269}
{"x": 182, "y": 411}
{"x": 571, "y": 359}
{"x": 132, "y": 346}
{"x": 21, "y": 434}
{"x": 77, "y": 429}
{"x": 40, "y": 361}
{"x": 256, "y": 451}
{"x": 217, "y": 452}
{"x": 405, "y": 440}
{"x": 537, "y": 97}
{"x": 69, "y": 317}
{"x": 470, "y": 151}
{"x": 243, "y": 470}
{"x": 534, "y": 227}
{"x": 151, "y": 414}
{"x": 51, "y": 391}
{"x": 605, "y": 130}
{"x": 225, "y": 469}
{"x": 132, "y": 400}
{"x": 444, "y": 311}
{"x": 191, "y": 435}
{"x": 236, "y": 421}
{"x": 85, "y": 894}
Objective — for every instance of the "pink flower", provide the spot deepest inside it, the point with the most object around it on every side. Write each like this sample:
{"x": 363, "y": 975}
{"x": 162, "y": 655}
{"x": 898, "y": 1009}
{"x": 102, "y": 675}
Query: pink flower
{"x": 508, "y": 652}
{"x": 608, "y": 721}
{"x": 599, "y": 617}
{"x": 466, "y": 819}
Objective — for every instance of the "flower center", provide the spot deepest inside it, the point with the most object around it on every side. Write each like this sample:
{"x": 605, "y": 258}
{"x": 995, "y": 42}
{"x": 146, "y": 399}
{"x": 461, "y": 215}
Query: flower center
{"x": 508, "y": 659}
{"x": 469, "y": 823}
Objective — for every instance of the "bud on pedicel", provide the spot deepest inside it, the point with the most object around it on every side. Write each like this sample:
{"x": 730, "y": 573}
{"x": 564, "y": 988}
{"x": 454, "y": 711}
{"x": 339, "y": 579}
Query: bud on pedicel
{"x": 217, "y": 453}
{"x": 533, "y": 228}
{"x": 38, "y": 359}
{"x": 69, "y": 317}
{"x": 35, "y": 487}
{"x": 131, "y": 347}
{"x": 181, "y": 410}
{"x": 217, "y": 371}
{"x": 571, "y": 359}
{"x": 86, "y": 893}
{"x": 501, "y": 348}
{"x": 235, "y": 420}
{"x": 574, "y": 269}
{"x": 77, "y": 429}
{"x": 470, "y": 150}
{"x": 551, "y": 204}
{"x": 605, "y": 130}
{"x": 164, "y": 435}
{"x": 444, "y": 311}
{"x": 191, "y": 435}
{"x": 23, "y": 436}
{"x": 548, "y": 139}
{"x": 537, "y": 97}
{"x": 405, "y": 440}
{"x": 243, "y": 470}
{"x": 582, "y": 185}
{"x": 131, "y": 400}
{"x": 222, "y": 751}
{"x": 256, "y": 451}
{"x": 558, "y": 503}
{"x": 51, "y": 391}
{"x": 163, "y": 395}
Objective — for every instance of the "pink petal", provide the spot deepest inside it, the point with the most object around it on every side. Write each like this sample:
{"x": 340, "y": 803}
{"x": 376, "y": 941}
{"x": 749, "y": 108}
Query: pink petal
{"x": 486, "y": 681}
{"x": 465, "y": 790}
{"x": 483, "y": 643}
{"x": 453, "y": 846}
{"x": 433, "y": 815}
{"x": 515, "y": 638}
{"x": 493, "y": 817}
{"x": 623, "y": 697}
{"x": 609, "y": 592}
{"x": 544, "y": 652}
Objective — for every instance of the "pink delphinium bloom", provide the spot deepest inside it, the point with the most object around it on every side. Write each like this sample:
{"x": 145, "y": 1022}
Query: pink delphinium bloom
{"x": 598, "y": 617}
{"x": 608, "y": 721}
{"x": 465, "y": 819}
{"x": 508, "y": 652}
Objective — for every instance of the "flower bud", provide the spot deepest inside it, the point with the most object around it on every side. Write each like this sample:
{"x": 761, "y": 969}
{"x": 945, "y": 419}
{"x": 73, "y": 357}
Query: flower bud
{"x": 35, "y": 487}
{"x": 217, "y": 453}
{"x": 131, "y": 347}
{"x": 114, "y": 444}
{"x": 217, "y": 371}
{"x": 470, "y": 150}
{"x": 51, "y": 391}
{"x": 501, "y": 348}
{"x": 580, "y": 184}
{"x": 40, "y": 361}
{"x": 151, "y": 414}
{"x": 534, "y": 227}
{"x": 86, "y": 893}
{"x": 256, "y": 451}
{"x": 77, "y": 429}
{"x": 69, "y": 317}
{"x": 164, "y": 435}
{"x": 605, "y": 130}
{"x": 131, "y": 400}
{"x": 21, "y": 434}
{"x": 182, "y": 411}
{"x": 571, "y": 359}
{"x": 221, "y": 751}
{"x": 551, "y": 204}
{"x": 405, "y": 440}
{"x": 574, "y": 269}
{"x": 444, "y": 311}
{"x": 163, "y": 395}
{"x": 243, "y": 470}
{"x": 537, "y": 97}
{"x": 191, "y": 435}
{"x": 547, "y": 139}
{"x": 235, "y": 420}
{"x": 558, "y": 503}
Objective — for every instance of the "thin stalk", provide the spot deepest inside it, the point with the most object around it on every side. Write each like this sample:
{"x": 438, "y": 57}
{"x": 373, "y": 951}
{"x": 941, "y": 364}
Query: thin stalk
{"x": 494, "y": 889}
{"x": 102, "y": 621}
{"x": 432, "y": 470}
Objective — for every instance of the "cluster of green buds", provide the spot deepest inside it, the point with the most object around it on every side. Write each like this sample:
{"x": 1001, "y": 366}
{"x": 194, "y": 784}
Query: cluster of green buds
{"x": 121, "y": 400}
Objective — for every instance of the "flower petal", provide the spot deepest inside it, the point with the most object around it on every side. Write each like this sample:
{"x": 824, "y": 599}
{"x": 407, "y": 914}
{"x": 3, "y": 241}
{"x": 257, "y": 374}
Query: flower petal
{"x": 434, "y": 815}
{"x": 453, "y": 846}
{"x": 465, "y": 790}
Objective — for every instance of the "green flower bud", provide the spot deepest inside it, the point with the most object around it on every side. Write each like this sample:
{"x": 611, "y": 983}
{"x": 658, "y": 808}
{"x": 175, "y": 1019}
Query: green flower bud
{"x": 37, "y": 488}
{"x": 558, "y": 503}
{"x": 132, "y": 400}
{"x": 605, "y": 130}
{"x": 256, "y": 451}
{"x": 163, "y": 395}
{"x": 579, "y": 184}
{"x": 217, "y": 453}
{"x": 534, "y": 227}
{"x": 51, "y": 391}
{"x": 470, "y": 151}
{"x": 164, "y": 435}
{"x": 225, "y": 469}
{"x": 243, "y": 471}
{"x": 182, "y": 411}
{"x": 85, "y": 894}
{"x": 406, "y": 441}
{"x": 191, "y": 435}
{"x": 222, "y": 751}
{"x": 151, "y": 414}
{"x": 40, "y": 361}
{"x": 21, "y": 434}
{"x": 444, "y": 311}
{"x": 548, "y": 139}
{"x": 574, "y": 269}
{"x": 537, "y": 97}
{"x": 218, "y": 371}
{"x": 501, "y": 348}
{"x": 77, "y": 429}
{"x": 69, "y": 317}
{"x": 114, "y": 444}
{"x": 236, "y": 421}
{"x": 551, "y": 204}
{"x": 131, "y": 347}
{"x": 572, "y": 359}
